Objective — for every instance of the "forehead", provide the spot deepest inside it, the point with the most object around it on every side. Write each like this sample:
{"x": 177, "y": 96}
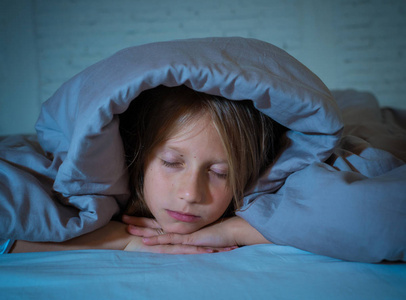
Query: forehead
{"x": 200, "y": 143}
{"x": 194, "y": 125}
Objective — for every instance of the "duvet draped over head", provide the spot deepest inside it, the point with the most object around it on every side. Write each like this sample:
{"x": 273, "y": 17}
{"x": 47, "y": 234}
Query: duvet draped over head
{"x": 77, "y": 181}
{"x": 79, "y": 123}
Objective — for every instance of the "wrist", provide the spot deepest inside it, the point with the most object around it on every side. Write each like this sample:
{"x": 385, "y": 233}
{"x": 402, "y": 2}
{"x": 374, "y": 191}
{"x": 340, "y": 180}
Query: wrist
{"x": 244, "y": 234}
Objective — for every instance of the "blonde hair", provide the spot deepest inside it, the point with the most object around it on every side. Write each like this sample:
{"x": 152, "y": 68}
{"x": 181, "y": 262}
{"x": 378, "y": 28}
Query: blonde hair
{"x": 249, "y": 137}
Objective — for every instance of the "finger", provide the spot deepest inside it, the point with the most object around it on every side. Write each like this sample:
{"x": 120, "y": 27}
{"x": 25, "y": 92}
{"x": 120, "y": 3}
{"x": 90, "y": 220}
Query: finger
{"x": 184, "y": 249}
{"x": 141, "y": 222}
{"x": 168, "y": 249}
{"x": 186, "y": 239}
{"x": 134, "y": 245}
{"x": 169, "y": 239}
{"x": 144, "y": 231}
{"x": 180, "y": 249}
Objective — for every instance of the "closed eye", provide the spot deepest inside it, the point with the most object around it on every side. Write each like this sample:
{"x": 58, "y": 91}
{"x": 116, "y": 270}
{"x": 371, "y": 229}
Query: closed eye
{"x": 219, "y": 175}
{"x": 171, "y": 164}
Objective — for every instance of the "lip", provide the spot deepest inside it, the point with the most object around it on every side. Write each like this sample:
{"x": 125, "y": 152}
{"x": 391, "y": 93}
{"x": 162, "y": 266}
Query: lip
{"x": 179, "y": 216}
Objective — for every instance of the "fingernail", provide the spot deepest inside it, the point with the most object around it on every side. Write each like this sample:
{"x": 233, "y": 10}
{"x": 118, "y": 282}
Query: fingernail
{"x": 231, "y": 248}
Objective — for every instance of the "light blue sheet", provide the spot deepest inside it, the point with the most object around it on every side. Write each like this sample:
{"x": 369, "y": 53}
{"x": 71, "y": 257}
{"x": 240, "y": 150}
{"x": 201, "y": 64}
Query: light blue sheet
{"x": 254, "y": 272}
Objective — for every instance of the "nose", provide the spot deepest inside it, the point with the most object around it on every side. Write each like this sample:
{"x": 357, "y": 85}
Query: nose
{"x": 191, "y": 187}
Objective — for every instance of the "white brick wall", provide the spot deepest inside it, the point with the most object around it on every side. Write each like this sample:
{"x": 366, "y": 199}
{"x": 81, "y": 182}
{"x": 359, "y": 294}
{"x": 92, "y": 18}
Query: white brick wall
{"x": 348, "y": 43}
{"x": 371, "y": 37}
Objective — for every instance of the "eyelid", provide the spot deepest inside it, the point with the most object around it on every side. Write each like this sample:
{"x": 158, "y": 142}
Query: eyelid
{"x": 222, "y": 169}
{"x": 170, "y": 164}
{"x": 220, "y": 173}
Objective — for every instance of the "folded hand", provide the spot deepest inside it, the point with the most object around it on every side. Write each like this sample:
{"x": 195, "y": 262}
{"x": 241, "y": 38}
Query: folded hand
{"x": 224, "y": 235}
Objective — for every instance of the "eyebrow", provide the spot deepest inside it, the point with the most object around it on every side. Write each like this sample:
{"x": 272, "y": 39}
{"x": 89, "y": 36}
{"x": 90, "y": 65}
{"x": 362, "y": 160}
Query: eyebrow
{"x": 179, "y": 151}
{"x": 173, "y": 148}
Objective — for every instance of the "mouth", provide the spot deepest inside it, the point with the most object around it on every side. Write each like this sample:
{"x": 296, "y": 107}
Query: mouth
{"x": 179, "y": 216}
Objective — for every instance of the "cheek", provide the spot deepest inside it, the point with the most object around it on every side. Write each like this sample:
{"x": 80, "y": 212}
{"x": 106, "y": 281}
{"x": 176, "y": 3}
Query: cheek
{"x": 157, "y": 188}
{"x": 152, "y": 189}
{"x": 222, "y": 200}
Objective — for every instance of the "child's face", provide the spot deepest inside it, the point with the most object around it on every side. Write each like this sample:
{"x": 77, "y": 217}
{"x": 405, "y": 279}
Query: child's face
{"x": 185, "y": 179}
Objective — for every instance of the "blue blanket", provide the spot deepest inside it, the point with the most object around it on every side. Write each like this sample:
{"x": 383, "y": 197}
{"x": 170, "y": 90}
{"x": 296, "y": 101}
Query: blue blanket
{"x": 338, "y": 187}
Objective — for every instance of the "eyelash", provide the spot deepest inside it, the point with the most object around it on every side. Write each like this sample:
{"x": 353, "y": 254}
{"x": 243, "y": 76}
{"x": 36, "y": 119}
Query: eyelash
{"x": 170, "y": 164}
{"x": 220, "y": 175}
{"x": 177, "y": 164}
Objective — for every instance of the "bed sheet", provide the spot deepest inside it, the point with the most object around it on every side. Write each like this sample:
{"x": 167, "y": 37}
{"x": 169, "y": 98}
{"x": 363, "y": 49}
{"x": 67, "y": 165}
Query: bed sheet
{"x": 254, "y": 272}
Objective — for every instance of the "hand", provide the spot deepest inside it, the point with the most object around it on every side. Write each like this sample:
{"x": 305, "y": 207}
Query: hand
{"x": 137, "y": 246}
{"x": 149, "y": 228}
{"x": 224, "y": 235}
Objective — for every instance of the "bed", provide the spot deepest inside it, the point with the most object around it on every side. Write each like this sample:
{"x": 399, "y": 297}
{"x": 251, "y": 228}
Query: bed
{"x": 333, "y": 203}
{"x": 254, "y": 272}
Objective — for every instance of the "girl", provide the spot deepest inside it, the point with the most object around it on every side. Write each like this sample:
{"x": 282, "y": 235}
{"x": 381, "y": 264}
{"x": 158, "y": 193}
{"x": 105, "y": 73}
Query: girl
{"x": 190, "y": 157}
{"x": 333, "y": 190}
